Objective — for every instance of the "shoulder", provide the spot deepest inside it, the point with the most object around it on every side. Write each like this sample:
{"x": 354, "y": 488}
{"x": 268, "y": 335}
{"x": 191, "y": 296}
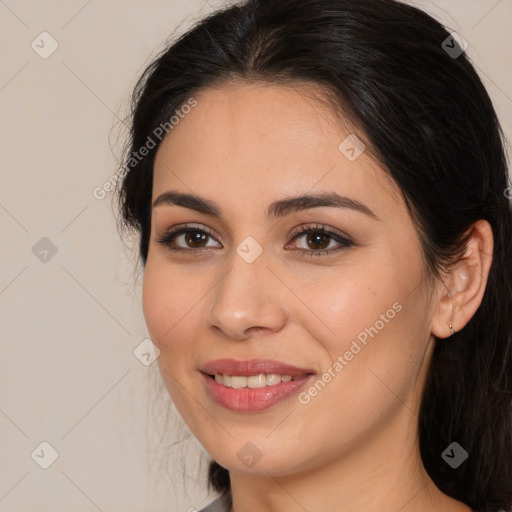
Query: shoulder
{"x": 221, "y": 504}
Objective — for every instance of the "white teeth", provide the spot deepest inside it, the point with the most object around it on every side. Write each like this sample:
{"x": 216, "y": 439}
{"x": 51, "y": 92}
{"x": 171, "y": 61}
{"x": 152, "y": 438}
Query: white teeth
{"x": 254, "y": 381}
{"x": 238, "y": 382}
{"x": 273, "y": 379}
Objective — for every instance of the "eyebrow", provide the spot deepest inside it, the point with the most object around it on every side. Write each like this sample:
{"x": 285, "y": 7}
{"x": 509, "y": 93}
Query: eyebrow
{"x": 279, "y": 208}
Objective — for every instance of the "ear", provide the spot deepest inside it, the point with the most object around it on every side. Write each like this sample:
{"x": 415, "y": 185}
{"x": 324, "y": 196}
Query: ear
{"x": 464, "y": 286}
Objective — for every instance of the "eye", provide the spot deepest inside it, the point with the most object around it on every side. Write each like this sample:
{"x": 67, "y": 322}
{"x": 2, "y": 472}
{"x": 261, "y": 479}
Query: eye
{"x": 192, "y": 235}
{"x": 317, "y": 238}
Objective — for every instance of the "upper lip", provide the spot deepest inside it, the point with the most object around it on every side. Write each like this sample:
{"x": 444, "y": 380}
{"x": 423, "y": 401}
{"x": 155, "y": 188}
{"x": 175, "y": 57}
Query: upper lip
{"x": 252, "y": 367}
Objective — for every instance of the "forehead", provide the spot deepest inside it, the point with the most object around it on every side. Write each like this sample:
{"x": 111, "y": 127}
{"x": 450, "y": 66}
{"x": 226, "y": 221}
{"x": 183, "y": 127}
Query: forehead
{"x": 261, "y": 140}
{"x": 255, "y": 113}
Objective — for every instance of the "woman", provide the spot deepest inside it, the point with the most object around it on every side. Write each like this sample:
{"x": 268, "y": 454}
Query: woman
{"x": 320, "y": 190}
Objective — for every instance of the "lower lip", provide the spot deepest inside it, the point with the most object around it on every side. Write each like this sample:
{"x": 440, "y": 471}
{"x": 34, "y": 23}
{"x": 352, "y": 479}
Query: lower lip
{"x": 252, "y": 400}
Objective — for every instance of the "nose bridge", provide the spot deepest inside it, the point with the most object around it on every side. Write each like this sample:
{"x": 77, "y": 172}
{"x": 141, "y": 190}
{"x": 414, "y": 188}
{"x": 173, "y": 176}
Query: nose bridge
{"x": 245, "y": 297}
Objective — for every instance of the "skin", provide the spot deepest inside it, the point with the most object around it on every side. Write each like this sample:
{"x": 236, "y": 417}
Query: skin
{"x": 355, "y": 444}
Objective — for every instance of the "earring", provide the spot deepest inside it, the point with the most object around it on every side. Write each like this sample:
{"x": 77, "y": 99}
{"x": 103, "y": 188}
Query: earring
{"x": 452, "y": 332}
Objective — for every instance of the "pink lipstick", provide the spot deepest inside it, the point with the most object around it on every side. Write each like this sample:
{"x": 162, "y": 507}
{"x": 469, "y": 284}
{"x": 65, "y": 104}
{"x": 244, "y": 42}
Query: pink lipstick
{"x": 252, "y": 385}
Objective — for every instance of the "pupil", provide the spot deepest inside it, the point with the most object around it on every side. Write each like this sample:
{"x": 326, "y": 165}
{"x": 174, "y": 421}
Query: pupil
{"x": 317, "y": 237}
{"x": 190, "y": 239}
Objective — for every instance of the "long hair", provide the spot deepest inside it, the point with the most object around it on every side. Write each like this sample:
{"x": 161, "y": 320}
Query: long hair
{"x": 398, "y": 76}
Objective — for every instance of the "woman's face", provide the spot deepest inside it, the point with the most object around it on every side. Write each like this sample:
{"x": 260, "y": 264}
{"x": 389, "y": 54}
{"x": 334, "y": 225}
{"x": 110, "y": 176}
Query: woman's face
{"x": 348, "y": 309}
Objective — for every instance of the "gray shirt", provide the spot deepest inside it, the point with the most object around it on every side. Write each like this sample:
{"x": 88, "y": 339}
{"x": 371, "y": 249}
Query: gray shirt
{"x": 221, "y": 504}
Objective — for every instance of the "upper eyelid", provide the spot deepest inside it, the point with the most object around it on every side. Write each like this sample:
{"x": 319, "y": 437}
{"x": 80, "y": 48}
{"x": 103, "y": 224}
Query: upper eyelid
{"x": 192, "y": 227}
{"x": 320, "y": 227}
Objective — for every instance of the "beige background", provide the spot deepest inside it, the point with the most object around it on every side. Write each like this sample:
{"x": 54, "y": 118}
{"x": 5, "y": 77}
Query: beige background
{"x": 69, "y": 325}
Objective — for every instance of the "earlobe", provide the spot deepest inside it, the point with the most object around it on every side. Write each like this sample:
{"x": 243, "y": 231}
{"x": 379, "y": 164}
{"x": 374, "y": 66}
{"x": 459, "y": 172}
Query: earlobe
{"x": 462, "y": 290}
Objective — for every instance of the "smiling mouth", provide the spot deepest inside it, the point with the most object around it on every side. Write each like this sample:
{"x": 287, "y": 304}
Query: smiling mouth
{"x": 253, "y": 385}
{"x": 253, "y": 393}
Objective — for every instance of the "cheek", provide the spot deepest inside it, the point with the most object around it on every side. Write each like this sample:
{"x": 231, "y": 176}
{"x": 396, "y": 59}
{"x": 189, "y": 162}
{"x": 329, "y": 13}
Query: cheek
{"x": 370, "y": 371}
{"x": 164, "y": 301}
{"x": 155, "y": 305}
{"x": 168, "y": 309}
{"x": 168, "y": 301}
{"x": 355, "y": 304}
{"x": 374, "y": 357}
{"x": 370, "y": 323}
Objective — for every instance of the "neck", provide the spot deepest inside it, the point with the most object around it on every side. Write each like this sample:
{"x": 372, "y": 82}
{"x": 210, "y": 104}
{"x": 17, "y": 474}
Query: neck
{"x": 384, "y": 472}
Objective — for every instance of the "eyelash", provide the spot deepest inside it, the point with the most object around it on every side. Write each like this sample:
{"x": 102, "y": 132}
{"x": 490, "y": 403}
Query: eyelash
{"x": 345, "y": 243}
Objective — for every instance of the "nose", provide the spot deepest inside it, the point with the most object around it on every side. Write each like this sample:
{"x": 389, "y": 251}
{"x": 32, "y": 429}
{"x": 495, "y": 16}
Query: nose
{"x": 247, "y": 299}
